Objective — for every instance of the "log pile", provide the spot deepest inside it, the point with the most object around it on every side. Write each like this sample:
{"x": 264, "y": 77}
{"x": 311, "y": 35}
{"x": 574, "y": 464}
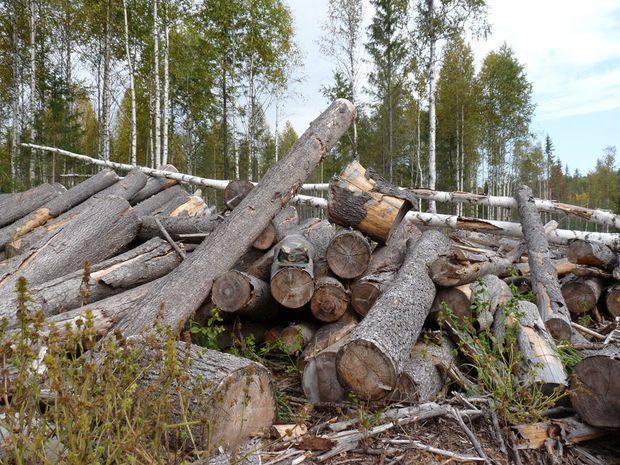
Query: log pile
{"x": 356, "y": 297}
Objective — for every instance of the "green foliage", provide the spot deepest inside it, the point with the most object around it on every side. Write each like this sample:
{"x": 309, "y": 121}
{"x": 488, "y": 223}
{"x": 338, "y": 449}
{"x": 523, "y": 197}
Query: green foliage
{"x": 67, "y": 400}
{"x": 206, "y": 336}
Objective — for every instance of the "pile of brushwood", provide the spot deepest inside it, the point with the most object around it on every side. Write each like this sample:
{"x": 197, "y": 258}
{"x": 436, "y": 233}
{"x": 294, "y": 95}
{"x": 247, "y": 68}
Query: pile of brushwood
{"x": 364, "y": 338}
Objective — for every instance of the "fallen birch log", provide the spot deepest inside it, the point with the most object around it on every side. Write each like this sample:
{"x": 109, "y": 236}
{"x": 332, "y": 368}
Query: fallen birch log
{"x": 377, "y": 349}
{"x": 20, "y": 204}
{"x": 545, "y": 285}
{"x": 181, "y": 294}
{"x": 57, "y": 206}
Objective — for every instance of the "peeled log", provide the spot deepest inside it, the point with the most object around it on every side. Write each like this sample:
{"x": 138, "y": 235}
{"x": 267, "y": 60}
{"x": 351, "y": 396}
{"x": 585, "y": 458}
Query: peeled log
{"x": 348, "y": 254}
{"x": 591, "y": 253}
{"x": 292, "y": 271}
{"x": 234, "y": 394}
{"x": 182, "y": 293}
{"x": 20, "y": 204}
{"x": 97, "y": 234}
{"x": 57, "y": 206}
{"x": 142, "y": 264}
{"x": 545, "y": 285}
{"x": 378, "y": 348}
{"x": 581, "y": 294}
{"x": 613, "y": 300}
{"x": 595, "y": 387}
{"x": 353, "y": 203}
{"x": 330, "y": 299}
{"x": 424, "y": 374}
{"x": 243, "y": 294}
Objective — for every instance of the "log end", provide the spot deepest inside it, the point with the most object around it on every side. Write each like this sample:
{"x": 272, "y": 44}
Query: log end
{"x": 559, "y": 329}
{"x": 231, "y": 291}
{"x": 266, "y": 238}
{"x": 365, "y": 369}
{"x": 292, "y": 287}
{"x": 579, "y": 297}
{"x": 329, "y": 303}
{"x": 348, "y": 255}
{"x": 364, "y": 294}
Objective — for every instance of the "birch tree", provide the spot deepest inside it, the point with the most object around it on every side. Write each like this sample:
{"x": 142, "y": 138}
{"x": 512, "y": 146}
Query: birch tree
{"x": 157, "y": 95}
{"x": 132, "y": 89}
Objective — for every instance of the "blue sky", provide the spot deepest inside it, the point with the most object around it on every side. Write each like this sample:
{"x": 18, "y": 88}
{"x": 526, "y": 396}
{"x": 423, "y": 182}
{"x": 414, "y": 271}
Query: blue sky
{"x": 570, "y": 49}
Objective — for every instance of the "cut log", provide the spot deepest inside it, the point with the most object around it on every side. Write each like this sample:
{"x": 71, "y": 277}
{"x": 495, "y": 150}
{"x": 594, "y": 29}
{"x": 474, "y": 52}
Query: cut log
{"x": 378, "y": 348}
{"x": 328, "y": 335}
{"x": 243, "y": 294}
{"x": 353, "y": 203}
{"x": 549, "y": 299}
{"x": 97, "y": 234}
{"x": 181, "y": 294}
{"x": 179, "y": 227}
{"x": 424, "y": 374}
{"x": 330, "y": 299}
{"x": 591, "y": 253}
{"x": 612, "y": 301}
{"x": 236, "y": 191}
{"x": 142, "y": 264}
{"x": 292, "y": 272}
{"x": 541, "y": 366}
{"x": 261, "y": 267}
{"x": 235, "y": 394}
{"x": 19, "y": 205}
{"x": 562, "y": 267}
{"x": 581, "y": 294}
{"x": 57, "y": 206}
{"x": 235, "y": 335}
{"x": 285, "y": 222}
{"x": 154, "y": 186}
{"x": 266, "y": 238}
{"x": 366, "y": 291}
{"x": 194, "y": 206}
{"x": 129, "y": 186}
{"x": 595, "y": 387}
{"x": 320, "y": 378}
{"x": 295, "y": 337}
{"x": 348, "y": 254}
{"x": 163, "y": 203}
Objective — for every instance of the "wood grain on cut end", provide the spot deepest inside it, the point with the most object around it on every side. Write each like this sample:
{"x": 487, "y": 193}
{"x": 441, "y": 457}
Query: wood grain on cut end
{"x": 581, "y": 295}
{"x": 236, "y": 191}
{"x": 613, "y": 300}
{"x": 365, "y": 369}
{"x": 330, "y": 299}
{"x": 348, "y": 254}
{"x": 266, "y": 238}
{"x": 231, "y": 291}
{"x": 364, "y": 294}
{"x": 292, "y": 287}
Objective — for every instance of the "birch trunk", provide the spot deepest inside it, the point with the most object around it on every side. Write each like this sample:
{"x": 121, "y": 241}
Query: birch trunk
{"x": 132, "y": 90}
{"x": 33, "y": 104}
{"x": 432, "y": 122}
{"x": 105, "y": 111}
{"x": 15, "y": 116}
{"x": 157, "y": 102}
{"x": 166, "y": 109}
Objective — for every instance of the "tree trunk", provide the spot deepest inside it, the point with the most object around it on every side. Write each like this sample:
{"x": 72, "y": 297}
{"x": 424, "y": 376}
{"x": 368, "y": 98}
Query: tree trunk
{"x": 154, "y": 186}
{"x": 377, "y": 349}
{"x": 424, "y": 374}
{"x": 348, "y": 254}
{"x": 432, "y": 121}
{"x": 581, "y": 294}
{"x": 19, "y": 205}
{"x": 353, "y": 203}
{"x": 142, "y": 264}
{"x": 595, "y": 387}
{"x": 181, "y": 294}
{"x": 58, "y": 205}
{"x": 243, "y": 294}
{"x": 366, "y": 290}
{"x": 106, "y": 97}
{"x": 613, "y": 300}
{"x": 236, "y": 191}
{"x": 33, "y": 89}
{"x": 549, "y": 299}
{"x": 157, "y": 96}
{"x": 132, "y": 89}
{"x": 591, "y": 253}
{"x": 163, "y": 203}
{"x": 178, "y": 226}
{"x": 166, "y": 110}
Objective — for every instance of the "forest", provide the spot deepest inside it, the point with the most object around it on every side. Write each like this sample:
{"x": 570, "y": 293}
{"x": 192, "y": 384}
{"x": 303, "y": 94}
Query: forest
{"x": 191, "y": 83}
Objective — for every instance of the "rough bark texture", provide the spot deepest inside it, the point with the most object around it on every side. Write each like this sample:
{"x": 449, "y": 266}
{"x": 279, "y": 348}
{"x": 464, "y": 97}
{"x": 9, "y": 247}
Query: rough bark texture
{"x": 145, "y": 263}
{"x": 348, "y": 254}
{"x": 595, "y": 387}
{"x": 182, "y": 293}
{"x": 353, "y": 203}
{"x": 57, "y": 205}
{"x": 320, "y": 378}
{"x": 581, "y": 294}
{"x": 19, "y": 205}
{"x": 591, "y": 253}
{"x": 129, "y": 186}
{"x": 177, "y": 226}
{"x": 244, "y": 294}
{"x": 330, "y": 299}
{"x": 377, "y": 349}
{"x": 424, "y": 374}
{"x": 154, "y": 186}
{"x": 292, "y": 271}
{"x": 613, "y": 300}
{"x": 163, "y": 202}
{"x": 549, "y": 299}
{"x": 236, "y": 191}
{"x": 94, "y": 236}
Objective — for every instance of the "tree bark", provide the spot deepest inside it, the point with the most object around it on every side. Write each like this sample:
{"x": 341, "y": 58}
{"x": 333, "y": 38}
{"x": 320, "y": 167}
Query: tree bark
{"x": 353, "y": 203}
{"x": 178, "y": 226}
{"x": 166, "y": 99}
{"x": 181, "y": 293}
{"x": 157, "y": 96}
{"x": 591, "y": 253}
{"x": 613, "y": 300}
{"x": 377, "y": 349}
{"x": 58, "y": 205}
{"x": 348, "y": 254}
{"x": 132, "y": 89}
{"x": 243, "y": 294}
{"x": 595, "y": 387}
{"x": 162, "y": 203}
{"x": 432, "y": 118}
{"x": 549, "y": 299}
{"x": 155, "y": 185}
{"x": 140, "y": 265}
{"x": 19, "y": 205}
{"x": 581, "y": 294}
{"x": 236, "y": 191}
{"x": 366, "y": 290}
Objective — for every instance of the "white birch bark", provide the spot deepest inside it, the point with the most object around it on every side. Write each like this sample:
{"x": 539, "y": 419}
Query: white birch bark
{"x": 132, "y": 90}
{"x": 105, "y": 110}
{"x": 432, "y": 122}
{"x": 166, "y": 109}
{"x": 15, "y": 113}
{"x": 250, "y": 117}
{"x": 157, "y": 115}
{"x": 33, "y": 90}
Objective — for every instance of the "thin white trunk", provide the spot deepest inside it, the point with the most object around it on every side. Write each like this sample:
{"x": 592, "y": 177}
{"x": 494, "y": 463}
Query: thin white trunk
{"x": 251, "y": 118}
{"x": 33, "y": 91}
{"x": 15, "y": 103}
{"x": 233, "y": 114}
{"x": 166, "y": 112}
{"x": 432, "y": 126}
{"x": 157, "y": 87}
{"x": 277, "y": 134}
{"x": 132, "y": 90}
{"x": 105, "y": 111}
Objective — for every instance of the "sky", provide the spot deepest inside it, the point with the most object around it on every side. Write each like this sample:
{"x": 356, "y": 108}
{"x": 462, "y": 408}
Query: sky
{"x": 570, "y": 50}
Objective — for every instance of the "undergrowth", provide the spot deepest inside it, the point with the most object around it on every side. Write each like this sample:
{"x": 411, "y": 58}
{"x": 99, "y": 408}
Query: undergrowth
{"x": 67, "y": 398}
